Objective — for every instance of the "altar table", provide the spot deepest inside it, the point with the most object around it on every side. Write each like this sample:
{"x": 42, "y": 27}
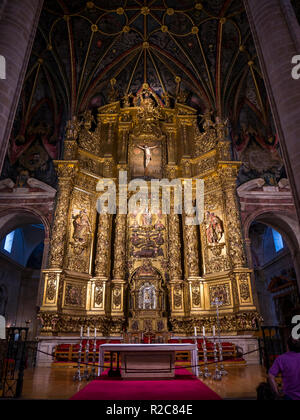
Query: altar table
{"x": 146, "y": 360}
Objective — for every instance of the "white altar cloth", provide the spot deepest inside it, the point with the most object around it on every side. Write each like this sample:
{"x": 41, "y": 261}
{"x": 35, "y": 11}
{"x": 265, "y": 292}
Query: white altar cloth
{"x": 148, "y": 349}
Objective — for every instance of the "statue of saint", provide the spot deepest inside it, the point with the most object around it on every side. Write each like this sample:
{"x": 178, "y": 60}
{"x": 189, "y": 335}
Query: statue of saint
{"x": 147, "y": 218}
{"x": 148, "y": 297}
{"x": 214, "y": 228}
{"x": 82, "y": 227}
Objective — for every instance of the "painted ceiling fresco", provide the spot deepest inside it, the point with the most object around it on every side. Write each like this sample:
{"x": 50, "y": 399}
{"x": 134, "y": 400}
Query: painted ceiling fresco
{"x": 204, "y": 48}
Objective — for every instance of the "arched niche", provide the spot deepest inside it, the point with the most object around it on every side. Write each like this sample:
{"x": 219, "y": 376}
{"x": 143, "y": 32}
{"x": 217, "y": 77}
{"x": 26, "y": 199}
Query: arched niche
{"x": 275, "y": 278}
{"x": 22, "y": 283}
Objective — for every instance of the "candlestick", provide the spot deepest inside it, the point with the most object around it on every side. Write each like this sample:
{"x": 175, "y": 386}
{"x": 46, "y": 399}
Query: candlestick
{"x": 86, "y": 359}
{"x": 217, "y": 376}
{"x": 77, "y": 376}
{"x": 206, "y": 374}
{"x": 214, "y": 331}
{"x": 195, "y": 330}
{"x": 93, "y": 372}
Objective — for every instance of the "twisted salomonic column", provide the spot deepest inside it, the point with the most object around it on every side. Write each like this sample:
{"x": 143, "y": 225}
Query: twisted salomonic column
{"x": 277, "y": 37}
{"x": 18, "y": 23}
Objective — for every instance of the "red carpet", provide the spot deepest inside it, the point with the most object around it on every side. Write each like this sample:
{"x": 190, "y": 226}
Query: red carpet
{"x": 185, "y": 387}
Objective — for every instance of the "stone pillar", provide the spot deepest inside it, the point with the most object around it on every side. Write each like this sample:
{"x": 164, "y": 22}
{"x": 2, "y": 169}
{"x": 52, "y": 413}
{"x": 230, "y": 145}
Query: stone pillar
{"x": 18, "y": 24}
{"x": 44, "y": 266}
{"x": 119, "y": 271}
{"x": 277, "y": 37}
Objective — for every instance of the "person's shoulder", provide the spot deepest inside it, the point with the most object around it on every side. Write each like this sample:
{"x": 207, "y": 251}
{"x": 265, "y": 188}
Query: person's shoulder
{"x": 289, "y": 355}
{"x": 293, "y": 354}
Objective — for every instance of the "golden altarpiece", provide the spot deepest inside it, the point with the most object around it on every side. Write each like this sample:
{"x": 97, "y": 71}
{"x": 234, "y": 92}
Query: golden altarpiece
{"x": 142, "y": 271}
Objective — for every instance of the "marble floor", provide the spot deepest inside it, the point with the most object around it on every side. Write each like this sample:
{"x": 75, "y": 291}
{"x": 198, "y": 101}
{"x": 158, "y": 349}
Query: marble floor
{"x": 57, "y": 383}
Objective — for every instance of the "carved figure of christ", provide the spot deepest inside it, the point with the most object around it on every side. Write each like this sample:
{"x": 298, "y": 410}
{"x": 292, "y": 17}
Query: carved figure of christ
{"x": 147, "y": 154}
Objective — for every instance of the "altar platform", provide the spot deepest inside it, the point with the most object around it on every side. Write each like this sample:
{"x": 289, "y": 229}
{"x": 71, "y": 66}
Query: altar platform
{"x": 146, "y": 360}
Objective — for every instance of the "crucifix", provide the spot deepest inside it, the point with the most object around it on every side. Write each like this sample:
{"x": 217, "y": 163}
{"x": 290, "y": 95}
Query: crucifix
{"x": 147, "y": 154}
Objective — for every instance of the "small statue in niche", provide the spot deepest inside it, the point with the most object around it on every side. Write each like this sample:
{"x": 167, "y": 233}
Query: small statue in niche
{"x": 88, "y": 119}
{"x": 207, "y": 120}
{"x": 159, "y": 226}
{"x": 147, "y": 297}
{"x": 113, "y": 93}
{"x": 82, "y": 228}
{"x": 126, "y": 99}
{"x": 214, "y": 228}
{"x": 166, "y": 99}
{"x": 73, "y": 128}
{"x": 147, "y": 219}
{"x": 22, "y": 178}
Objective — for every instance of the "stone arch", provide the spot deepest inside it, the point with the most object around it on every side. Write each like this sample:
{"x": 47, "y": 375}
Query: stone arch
{"x": 286, "y": 224}
{"x": 12, "y": 218}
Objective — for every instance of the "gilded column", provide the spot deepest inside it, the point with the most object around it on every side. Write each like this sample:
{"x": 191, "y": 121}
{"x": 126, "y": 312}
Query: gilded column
{"x": 66, "y": 172}
{"x": 241, "y": 284}
{"x": 119, "y": 270}
{"x": 102, "y": 261}
{"x": 171, "y": 143}
{"x": 232, "y": 211}
{"x": 196, "y": 293}
{"x": 191, "y": 249}
{"x": 176, "y": 282}
{"x": 102, "y": 265}
{"x": 123, "y": 138}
